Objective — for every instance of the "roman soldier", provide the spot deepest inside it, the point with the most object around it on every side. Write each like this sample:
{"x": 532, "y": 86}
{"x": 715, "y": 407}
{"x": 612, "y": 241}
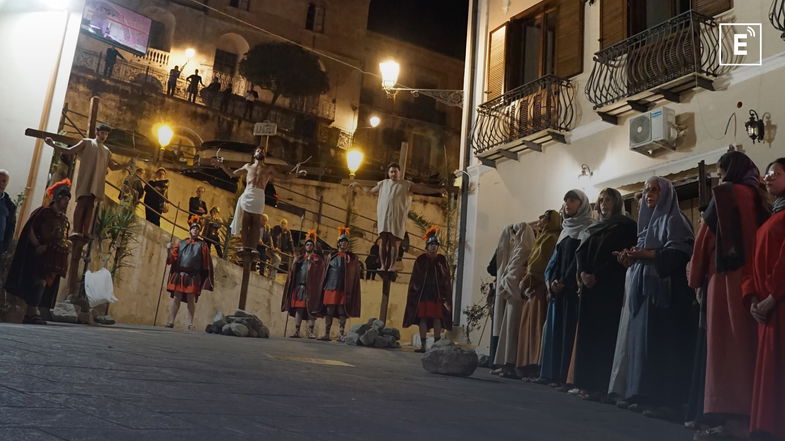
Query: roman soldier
{"x": 302, "y": 292}
{"x": 41, "y": 256}
{"x": 191, "y": 272}
{"x": 429, "y": 301}
{"x": 340, "y": 287}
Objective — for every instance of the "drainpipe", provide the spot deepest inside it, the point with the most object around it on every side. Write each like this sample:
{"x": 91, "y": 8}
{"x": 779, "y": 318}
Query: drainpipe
{"x": 466, "y": 154}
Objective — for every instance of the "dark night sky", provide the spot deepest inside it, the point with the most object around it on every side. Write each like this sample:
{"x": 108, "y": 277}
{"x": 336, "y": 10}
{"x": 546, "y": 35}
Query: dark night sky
{"x": 439, "y": 25}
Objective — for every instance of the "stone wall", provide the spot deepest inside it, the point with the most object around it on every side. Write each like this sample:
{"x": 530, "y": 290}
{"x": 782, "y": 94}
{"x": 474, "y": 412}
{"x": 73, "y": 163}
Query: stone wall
{"x": 138, "y": 289}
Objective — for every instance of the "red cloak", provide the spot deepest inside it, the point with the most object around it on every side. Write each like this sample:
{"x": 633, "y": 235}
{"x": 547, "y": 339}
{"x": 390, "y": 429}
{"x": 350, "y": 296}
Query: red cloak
{"x": 422, "y": 266}
{"x": 313, "y": 285}
{"x": 351, "y": 284}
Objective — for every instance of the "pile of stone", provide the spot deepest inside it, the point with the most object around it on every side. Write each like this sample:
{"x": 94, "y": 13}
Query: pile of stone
{"x": 240, "y": 324}
{"x": 448, "y": 359}
{"x": 373, "y": 334}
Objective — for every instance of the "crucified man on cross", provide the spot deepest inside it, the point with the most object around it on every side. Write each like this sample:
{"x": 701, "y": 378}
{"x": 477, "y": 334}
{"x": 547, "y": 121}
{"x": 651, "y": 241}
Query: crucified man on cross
{"x": 248, "y": 214}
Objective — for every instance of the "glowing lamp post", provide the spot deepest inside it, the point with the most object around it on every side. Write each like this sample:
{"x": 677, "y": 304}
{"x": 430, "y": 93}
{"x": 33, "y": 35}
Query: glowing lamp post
{"x": 164, "y": 134}
{"x": 374, "y": 121}
{"x": 390, "y": 70}
{"x": 354, "y": 158}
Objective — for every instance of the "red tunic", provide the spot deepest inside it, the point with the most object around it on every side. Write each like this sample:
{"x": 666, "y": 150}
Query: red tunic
{"x": 768, "y": 394}
{"x": 186, "y": 280}
{"x": 731, "y": 330}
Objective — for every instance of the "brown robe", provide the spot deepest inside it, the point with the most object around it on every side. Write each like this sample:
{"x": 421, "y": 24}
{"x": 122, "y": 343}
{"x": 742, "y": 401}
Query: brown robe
{"x": 313, "y": 285}
{"x": 351, "y": 285}
{"x": 422, "y": 266}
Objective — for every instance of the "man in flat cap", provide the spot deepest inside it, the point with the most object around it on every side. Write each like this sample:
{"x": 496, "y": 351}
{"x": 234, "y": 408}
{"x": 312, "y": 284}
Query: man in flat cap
{"x": 94, "y": 158}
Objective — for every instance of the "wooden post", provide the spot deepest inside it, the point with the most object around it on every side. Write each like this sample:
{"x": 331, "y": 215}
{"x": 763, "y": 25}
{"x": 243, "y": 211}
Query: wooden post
{"x": 248, "y": 256}
{"x": 385, "y": 297}
{"x": 319, "y": 215}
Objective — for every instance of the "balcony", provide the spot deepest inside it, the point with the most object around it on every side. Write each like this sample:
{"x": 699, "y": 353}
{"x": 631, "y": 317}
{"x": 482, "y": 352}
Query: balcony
{"x": 524, "y": 118}
{"x": 660, "y": 63}
{"x": 151, "y": 73}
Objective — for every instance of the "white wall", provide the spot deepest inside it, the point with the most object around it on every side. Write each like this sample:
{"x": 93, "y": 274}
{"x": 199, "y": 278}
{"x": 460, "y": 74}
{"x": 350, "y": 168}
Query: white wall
{"x": 521, "y": 190}
{"x": 31, "y": 42}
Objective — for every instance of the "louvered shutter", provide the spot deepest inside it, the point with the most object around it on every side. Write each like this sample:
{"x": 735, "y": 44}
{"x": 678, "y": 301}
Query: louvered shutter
{"x": 569, "y": 38}
{"x": 613, "y": 22}
{"x": 496, "y": 63}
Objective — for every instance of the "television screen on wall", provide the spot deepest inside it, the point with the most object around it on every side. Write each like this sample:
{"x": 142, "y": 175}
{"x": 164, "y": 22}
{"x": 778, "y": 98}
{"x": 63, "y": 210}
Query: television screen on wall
{"x": 116, "y": 25}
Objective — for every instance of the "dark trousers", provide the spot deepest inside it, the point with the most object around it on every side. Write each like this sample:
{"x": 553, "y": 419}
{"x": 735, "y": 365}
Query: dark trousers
{"x": 170, "y": 86}
{"x": 192, "y": 95}
{"x": 152, "y": 217}
{"x": 108, "y": 69}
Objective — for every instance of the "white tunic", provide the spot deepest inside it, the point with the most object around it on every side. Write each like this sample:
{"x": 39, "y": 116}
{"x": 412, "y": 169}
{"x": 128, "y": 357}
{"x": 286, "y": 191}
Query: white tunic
{"x": 392, "y": 208}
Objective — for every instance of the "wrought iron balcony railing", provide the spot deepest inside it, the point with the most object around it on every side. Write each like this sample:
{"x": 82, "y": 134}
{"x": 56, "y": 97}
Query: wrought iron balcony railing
{"x": 143, "y": 72}
{"x": 541, "y": 107}
{"x": 686, "y": 45}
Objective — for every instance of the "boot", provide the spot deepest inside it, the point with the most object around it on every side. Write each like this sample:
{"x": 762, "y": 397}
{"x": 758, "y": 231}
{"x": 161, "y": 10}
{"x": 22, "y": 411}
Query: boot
{"x": 326, "y": 336}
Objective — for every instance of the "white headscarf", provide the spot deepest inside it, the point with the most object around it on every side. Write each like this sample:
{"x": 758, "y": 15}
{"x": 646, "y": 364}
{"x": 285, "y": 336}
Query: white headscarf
{"x": 573, "y": 226}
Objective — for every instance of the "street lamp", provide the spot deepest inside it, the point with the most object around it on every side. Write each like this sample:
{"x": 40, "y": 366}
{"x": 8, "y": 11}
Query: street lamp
{"x": 374, "y": 121}
{"x": 354, "y": 158}
{"x": 390, "y": 70}
{"x": 164, "y": 134}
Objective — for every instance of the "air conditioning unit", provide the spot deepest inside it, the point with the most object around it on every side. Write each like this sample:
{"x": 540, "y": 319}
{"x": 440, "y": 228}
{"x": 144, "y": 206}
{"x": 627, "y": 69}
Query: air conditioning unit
{"x": 654, "y": 130}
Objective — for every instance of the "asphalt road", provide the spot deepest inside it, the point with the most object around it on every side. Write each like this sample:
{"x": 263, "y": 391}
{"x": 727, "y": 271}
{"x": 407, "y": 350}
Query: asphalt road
{"x": 68, "y": 382}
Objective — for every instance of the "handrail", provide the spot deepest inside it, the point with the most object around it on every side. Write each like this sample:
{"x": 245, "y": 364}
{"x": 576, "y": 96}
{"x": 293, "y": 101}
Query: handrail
{"x": 685, "y": 44}
{"x": 543, "y": 104}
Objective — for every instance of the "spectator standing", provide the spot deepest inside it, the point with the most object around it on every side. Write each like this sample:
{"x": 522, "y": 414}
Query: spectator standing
{"x": 110, "y": 60}
{"x": 171, "y": 84}
{"x": 155, "y": 193}
{"x": 193, "y": 85}
{"x": 267, "y": 249}
{"x": 372, "y": 261}
{"x": 211, "y": 230}
{"x": 210, "y": 93}
{"x": 7, "y": 213}
{"x": 196, "y": 205}
{"x": 250, "y": 98}
{"x": 282, "y": 239}
{"x": 133, "y": 187}
{"x": 226, "y": 99}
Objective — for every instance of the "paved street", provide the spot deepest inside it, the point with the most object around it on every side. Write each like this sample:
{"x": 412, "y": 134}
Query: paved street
{"x": 65, "y": 382}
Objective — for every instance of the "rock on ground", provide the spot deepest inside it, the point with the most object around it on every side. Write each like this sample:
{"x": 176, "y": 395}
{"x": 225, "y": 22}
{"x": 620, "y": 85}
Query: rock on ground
{"x": 447, "y": 359}
{"x": 105, "y": 320}
{"x": 238, "y": 329}
{"x": 369, "y": 337}
{"x": 352, "y": 338}
{"x": 65, "y": 312}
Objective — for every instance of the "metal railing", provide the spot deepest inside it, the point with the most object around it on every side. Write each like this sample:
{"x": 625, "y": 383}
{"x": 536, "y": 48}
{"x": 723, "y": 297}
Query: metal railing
{"x": 686, "y": 44}
{"x": 543, "y": 104}
{"x": 145, "y": 73}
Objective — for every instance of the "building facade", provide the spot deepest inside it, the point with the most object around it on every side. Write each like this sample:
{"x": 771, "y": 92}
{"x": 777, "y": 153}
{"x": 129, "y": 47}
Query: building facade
{"x": 592, "y": 94}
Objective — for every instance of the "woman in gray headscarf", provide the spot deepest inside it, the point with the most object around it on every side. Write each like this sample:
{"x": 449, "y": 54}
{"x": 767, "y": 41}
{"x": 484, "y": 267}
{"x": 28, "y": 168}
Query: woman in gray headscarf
{"x": 651, "y": 367}
{"x": 562, "y": 317}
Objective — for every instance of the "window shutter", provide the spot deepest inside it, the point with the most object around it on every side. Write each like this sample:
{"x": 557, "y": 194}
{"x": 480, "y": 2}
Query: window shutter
{"x": 711, "y": 7}
{"x": 613, "y": 22}
{"x": 496, "y": 63}
{"x": 513, "y": 61}
{"x": 569, "y": 38}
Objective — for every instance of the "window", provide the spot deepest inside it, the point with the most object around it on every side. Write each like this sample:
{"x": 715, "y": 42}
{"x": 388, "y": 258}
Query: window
{"x": 225, "y": 62}
{"x": 620, "y": 19}
{"x": 240, "y": 4}
{"x": 158, "y": 36}
{"x": 314, "y": 19}
{"x": 531, "y": 49}
{"x": 545, "y": 39}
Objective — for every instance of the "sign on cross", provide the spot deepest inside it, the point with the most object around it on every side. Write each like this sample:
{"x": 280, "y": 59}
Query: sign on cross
{"x": 266, "y": 128}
